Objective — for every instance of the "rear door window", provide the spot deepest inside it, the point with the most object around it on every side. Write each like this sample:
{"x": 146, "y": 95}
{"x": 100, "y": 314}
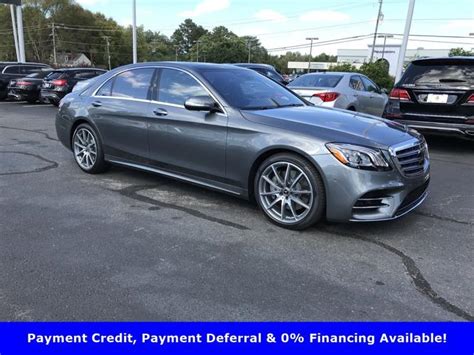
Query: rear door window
{"x": 439, "y": 73}
{"x": 133, "y": 83}
{"x": 83, "y": 75}
{"x": 177, "y": 86}
{"x": 12, "y": 69}
{"x": 356, "y": 83}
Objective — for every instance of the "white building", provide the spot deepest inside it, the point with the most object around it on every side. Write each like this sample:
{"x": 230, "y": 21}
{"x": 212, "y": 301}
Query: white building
{"x": 388, "y": 52}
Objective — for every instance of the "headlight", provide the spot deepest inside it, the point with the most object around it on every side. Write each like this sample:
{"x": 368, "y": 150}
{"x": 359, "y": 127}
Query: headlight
{"x": 358, "y": 157}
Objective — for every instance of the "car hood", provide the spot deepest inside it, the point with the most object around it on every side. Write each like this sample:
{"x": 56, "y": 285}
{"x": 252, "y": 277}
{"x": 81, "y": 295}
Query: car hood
{"x": 334, "y": 125}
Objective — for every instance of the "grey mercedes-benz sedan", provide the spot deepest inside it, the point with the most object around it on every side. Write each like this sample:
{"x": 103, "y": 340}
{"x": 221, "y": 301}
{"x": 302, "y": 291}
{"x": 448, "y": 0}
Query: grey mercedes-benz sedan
{"x": 236, "y": 131}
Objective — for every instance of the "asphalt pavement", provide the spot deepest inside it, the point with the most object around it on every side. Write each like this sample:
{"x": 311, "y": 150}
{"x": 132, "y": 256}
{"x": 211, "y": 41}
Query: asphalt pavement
{"x": 128, "y": 245}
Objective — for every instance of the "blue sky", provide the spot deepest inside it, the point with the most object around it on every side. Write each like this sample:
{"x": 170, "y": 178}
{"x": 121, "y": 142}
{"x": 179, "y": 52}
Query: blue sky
{"x": 280, "y": 23}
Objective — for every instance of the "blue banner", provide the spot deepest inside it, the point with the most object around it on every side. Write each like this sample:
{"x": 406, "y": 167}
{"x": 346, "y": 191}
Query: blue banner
{"x": 236, "y": 338}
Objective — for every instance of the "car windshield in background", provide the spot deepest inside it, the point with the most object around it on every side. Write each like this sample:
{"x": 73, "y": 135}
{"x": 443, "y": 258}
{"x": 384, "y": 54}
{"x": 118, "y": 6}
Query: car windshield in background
{"x": 440, "y": 73}
{"x": 248, "y": 90}
{"x": 317, "y": 81}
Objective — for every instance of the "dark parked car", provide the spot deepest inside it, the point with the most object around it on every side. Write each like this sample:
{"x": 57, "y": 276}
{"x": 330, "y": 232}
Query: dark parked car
{"x": 14, "y": 70}
{"x": 265, "y": 69}
{"x": 29, "y": 87}
{"x": 236, "y": 131}
{"x": 436, "y": 95}
{"x": 61, "y": 82}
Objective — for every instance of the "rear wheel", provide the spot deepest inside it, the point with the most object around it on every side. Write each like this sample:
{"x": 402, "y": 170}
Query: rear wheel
{"x": 290, "y": 191}
{"x": 87, "y": 149}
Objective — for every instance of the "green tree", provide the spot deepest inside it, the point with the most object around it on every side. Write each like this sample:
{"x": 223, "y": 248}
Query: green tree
{"x": 221, "y": 46}
{"x": 460, "y": 52}
{"x": 186, "y": 35}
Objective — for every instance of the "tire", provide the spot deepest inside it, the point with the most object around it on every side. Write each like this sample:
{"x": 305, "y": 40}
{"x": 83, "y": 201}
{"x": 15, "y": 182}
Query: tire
{"x": 54, "y": 102}
{"x": 31, "y": 101}
{"x": 293, "y": 199}
{"x": 87, "y": 149}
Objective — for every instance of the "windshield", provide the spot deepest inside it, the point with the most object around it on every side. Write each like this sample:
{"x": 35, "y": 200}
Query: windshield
{"x": 248, "y": 90}
{"x": 56, "y": 75}
{"x": 439, "y": 74}
{"x": 317, "y": 81}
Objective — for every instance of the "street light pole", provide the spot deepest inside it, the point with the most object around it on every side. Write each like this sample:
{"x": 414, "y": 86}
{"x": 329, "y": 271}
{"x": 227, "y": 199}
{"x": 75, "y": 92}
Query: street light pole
{"x": 21, "y": 39}
{"x": 376, "y": 29}
{"x": 134, "y": 31}
{"x": 15, "y": 35}
{"x": 108, "y": 50}
{"x": 406, "y": 34}
{"x": 310, "y": 50}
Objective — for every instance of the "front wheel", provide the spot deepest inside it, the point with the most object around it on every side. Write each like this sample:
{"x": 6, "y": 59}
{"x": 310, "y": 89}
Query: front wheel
{"x": 290, "y": 191}
{"x": 87, "y": 149}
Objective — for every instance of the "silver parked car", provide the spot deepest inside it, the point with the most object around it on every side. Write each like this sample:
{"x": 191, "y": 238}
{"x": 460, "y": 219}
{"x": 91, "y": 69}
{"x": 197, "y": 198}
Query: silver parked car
{"x": 236, "y": 131}
{"x": 349, "y": 91}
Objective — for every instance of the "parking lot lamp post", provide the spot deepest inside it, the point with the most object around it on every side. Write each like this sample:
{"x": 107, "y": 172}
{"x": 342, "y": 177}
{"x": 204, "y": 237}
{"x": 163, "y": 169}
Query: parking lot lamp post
{"x": 311, "y": 39}
{"x": 406, "y": 34}
{"x": 134, "y": 31}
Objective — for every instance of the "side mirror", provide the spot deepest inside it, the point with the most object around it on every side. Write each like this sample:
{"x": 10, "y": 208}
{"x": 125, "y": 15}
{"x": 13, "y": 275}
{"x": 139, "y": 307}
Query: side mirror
{"x": 201, "y": 103}
{"x": 384, "y": 91}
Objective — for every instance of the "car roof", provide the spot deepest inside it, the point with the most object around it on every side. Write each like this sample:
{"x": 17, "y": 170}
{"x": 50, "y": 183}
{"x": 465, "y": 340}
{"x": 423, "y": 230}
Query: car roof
{"x": 254, "y": 65}
{"x": 460, "y": 59}
{"x": 190, "y": 66}
{"x": 78, "y": 69}
{"x": 332, "y": 73}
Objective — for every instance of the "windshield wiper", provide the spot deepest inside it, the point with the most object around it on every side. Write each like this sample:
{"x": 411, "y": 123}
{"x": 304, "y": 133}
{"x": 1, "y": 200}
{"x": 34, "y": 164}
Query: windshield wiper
{"x": 292, "y": 105}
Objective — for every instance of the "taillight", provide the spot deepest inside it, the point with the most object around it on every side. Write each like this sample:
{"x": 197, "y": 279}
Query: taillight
{"x": 400, "y": 94}
{"x": 59, "y": 82}
{"x": 23, "y": 83}
{"x": 470, "y": 100}
{"x": 327, "y": 96}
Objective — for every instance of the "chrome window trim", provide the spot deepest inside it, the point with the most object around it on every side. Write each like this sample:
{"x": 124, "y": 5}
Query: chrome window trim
{"x": 94, "y": 94}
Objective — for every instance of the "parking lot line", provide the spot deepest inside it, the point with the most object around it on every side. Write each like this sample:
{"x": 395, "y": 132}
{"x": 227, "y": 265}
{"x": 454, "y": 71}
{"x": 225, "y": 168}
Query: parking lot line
{"x": 34, "y": 105}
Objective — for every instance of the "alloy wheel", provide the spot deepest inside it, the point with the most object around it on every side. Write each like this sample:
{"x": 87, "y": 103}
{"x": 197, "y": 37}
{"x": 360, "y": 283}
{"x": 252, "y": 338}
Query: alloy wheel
{"x": 285, "y": 192}
{"x": 85, "y": 148}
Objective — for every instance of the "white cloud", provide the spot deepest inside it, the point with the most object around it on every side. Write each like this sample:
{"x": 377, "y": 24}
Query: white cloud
{"x": 325, "y": 15}
{"x": 270, "y": 15}
{"x": 205, "y": 7}
{"x": 459, "y": 25}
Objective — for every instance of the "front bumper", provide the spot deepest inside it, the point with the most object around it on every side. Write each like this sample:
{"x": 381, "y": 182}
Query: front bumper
{"x": 364, "y": 196}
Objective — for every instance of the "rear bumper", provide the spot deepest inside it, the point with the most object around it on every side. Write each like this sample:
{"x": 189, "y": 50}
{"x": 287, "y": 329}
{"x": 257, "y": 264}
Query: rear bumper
{"x": 52, "y": 95}
{"x": 20, "y": 95}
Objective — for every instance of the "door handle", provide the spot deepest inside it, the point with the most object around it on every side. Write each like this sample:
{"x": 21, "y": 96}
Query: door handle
{"x": 97, "y": 104}
{"x": 160, "y": 112}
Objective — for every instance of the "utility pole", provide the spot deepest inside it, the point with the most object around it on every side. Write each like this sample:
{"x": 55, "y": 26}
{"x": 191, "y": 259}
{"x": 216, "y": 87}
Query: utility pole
{"x": 53, "y": 34}
{"x": 107, "y": 38}
{"x": 406, "y": 34}
{"x": 310, "y": 50}
{"x": 376, "y": 29}
{"x": 197, "y": 51}
{"x": 134, "y": 31}
{"x": 15, "y": 34}
{"x": 385, "y": 36}
{"x": 250, "y": 46}
{"x": 176, "y": 53}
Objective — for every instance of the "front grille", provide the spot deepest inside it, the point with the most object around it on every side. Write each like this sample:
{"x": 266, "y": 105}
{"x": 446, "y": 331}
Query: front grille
{"x": 411, "y": 159}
